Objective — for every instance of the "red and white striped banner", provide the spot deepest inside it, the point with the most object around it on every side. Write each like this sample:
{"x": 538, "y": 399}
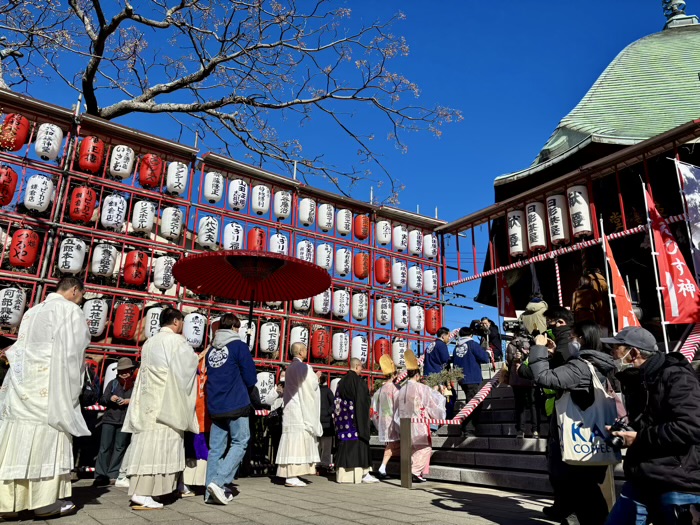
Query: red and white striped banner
{"x": 691, "y": 344}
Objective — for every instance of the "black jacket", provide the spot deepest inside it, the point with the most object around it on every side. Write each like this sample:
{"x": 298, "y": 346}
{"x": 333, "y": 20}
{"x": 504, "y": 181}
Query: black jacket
{"x": 115, "y": 414}
{"x": 327, "y": 408}
{"x": 494, "y": 342}
{"x": 662, "y": 398}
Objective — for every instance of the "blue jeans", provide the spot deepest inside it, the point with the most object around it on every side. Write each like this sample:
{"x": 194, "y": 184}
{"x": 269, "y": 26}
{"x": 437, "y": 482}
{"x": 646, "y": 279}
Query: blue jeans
{"x": 236, "y": 432}
{"x": 635, "y": 506}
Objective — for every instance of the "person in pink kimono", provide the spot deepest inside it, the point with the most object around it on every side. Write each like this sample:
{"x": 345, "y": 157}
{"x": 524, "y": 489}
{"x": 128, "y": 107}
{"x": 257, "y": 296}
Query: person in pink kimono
{"x": 383, "y": 414}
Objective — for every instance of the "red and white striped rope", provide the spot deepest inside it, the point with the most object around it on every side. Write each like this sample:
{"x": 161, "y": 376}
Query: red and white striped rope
{"x": 558, "y": 273}
{"x": 692, "y": 343}
{"x": 262, "y": 412}
{"x": 96, "y": 408}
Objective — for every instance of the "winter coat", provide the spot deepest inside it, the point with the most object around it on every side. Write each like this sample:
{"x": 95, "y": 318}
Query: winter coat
{"x": 533, "y": 318}
{"x": 469, "y": 356}
{"x": 522, "y": 345}
{"x": 115, "y": 413}
{"x": 662, "y": 398}
{"x": 327, "y": 409}
{"x": 493, "y": 342}
{"x": 436, "y": 358}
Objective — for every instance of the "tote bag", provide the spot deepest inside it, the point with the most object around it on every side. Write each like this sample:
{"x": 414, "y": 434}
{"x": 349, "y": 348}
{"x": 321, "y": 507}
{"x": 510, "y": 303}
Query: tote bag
{"x": 582, "y": 432}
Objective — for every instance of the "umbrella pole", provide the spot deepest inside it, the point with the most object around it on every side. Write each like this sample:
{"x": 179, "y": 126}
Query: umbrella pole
{"x": 250, "y": 320}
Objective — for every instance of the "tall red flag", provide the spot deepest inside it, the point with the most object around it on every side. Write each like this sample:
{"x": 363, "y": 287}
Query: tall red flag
{"x": 625, "y": 312}
{"x": 506, "y": 307}
{"x": 680, "y": 290}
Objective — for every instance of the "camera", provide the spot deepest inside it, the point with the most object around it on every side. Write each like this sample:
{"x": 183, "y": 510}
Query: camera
{"x": 513, "y": 325}
{"x": 618, "y": 426}
{"x": 477, "y": 328}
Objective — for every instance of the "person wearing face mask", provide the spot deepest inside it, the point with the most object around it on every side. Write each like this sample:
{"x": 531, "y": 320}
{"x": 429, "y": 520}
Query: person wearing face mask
{"x": 576, "y": 488}
{"x": 662, "y": 398}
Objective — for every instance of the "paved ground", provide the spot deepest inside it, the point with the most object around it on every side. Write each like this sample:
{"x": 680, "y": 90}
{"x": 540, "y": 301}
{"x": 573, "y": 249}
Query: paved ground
{"x": 324, "y": 502}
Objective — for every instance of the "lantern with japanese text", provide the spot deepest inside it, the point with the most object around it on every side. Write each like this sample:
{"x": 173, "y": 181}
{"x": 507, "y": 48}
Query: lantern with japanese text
{"x": 12, "y": 303}
{"x": 256, "y": 240}
{"x": 24, "y": 248}
{"x": 96, "y": 312}
{"x": 344, "y": 222}
{"x": 432, "y": 320}
{"x": 343, "y": 261}
{"x": 361, "y": 227}
{"x": 171, "y": 223}
{"x": 265, "y": 384}
{"x": 150, "y": 171}
{"x": 121, "y": 162}
{"x": 82, "y": 204}
{"x": 233, "y": 236}
{"x": 176, "y": 178}
{"x": 322, "y": 303}
{"x": 260, "y": 200}
{"x": 324, "y": 256}
{"x": 360, "y": 306}
{"x": 558, "y": 220}
{"x": 151, "y": 325}
{"x": 415, "y": 279}
{"x": 341, "y": 303}
{"x": 430, "y": 246}
{"x": 194, "y": 328}
{"x": 307, "y": 211}
{"x": 399, "y": 274}
{"x": 208, "y": 232}
{"x": 325, "y": 216}
{"x": 400, "y": 315}
{"x": 135, "y": 268}
{"x": 382, "y": 347}
{"x": 14, "y": 133}
{"x": 38, "y": 193}
{"x": 302, "y": 304}
{"x": 143, "y": 217}
{"x": 163, "y": 272}
{"x": 415, "y": 242}
{"x": 361, "y": 265}
{"x": 430, "y": 282}
{"x": 279, "y": 243}
{"x": 382, "y": 309}
{"x": 382, "y": 270}
{"x": 8, "y": 184}
{"x": 416, "y": 318}
{"x": 383, "y": 233}
{"x": 305, "y": 250}
{"x": 126, "y": 318}
{"x": 299, "y": 334}
{"x": 213, "y": 187}
{"x": 400, "y": 238}
{"x": 341, "y": 346}
{"x": 269, "y": 337}
{"x": 273, "y": 304}
{"x": 320, "y": 344}
{"x": 49, "y": 139}
{"x": 113, "y": 214}
{"x": 243, "y": 332}
{"x": 237, "y": 194}
{"x": 282, "y": 206}
{"x": 398, "y": 349}
{"x": 516, "y": 233}
{"x": 359, "y": 348}
{"x": 104, "y": 260}
{"x": 71, "y": 255}
{"x": 91, "y": 155}
{"x": 536, "y": 232}
{"x": 579, "y": 211}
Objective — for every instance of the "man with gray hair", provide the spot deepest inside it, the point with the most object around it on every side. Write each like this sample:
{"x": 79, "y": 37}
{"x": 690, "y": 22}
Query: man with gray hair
{"x": 301, "y": 421}
{"x": 352, "y": 402}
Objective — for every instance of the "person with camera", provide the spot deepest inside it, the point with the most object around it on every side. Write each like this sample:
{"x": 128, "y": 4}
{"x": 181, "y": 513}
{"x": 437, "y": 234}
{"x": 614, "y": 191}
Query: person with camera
{"x": 517, "y": 352}
{"x": 662, "y": 398}
{"x": 491, "y": 338}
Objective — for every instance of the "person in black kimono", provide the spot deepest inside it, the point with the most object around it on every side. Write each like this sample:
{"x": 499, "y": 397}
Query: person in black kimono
{"x": 325, "y": 442}
{"x": 352, "y": 402}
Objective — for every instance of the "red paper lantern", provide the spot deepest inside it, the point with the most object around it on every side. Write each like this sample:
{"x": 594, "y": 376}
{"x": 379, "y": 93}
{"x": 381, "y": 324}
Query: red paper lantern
{"x": 321, "y": 344}
{"x": 91, "y": 155}
{"x": 361, "y": 265}
{"x": 14, "y": 133}
{"x": 382, "y": 270}
{"x": 82, "y": 204}
{"x": 256, "y": 240}
{"x": 381, "y": 346}
{"x": 8, "y": 183}
{"x": 432, "y": 320}
{"x": 135, "y": 268}
{"x": 150, "y": 171}
{"x": 361, "y": 227}
{"x": 126, "y": 318}
{"x": 24, "y": 248}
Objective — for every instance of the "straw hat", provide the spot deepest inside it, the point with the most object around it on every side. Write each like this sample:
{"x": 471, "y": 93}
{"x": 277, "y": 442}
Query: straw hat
{"x": 387, "y": 365}
{"x": 411, "y": 362}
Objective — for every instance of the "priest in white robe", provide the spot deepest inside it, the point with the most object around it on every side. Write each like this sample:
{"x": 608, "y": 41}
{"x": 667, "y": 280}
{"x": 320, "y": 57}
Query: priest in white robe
{"x": 39, "y": 408}
{"x": 301, "y": 421}
{"x": 162, "y": 408}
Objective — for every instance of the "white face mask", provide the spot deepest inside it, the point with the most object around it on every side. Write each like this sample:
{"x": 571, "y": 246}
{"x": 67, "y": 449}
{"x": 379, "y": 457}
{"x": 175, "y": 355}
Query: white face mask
{"x": 621, "y": 365}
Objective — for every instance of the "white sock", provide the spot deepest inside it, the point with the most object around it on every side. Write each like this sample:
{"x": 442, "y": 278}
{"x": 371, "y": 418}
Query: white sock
{"x": 293, "y": 480}
{"x": 382, "y": 469}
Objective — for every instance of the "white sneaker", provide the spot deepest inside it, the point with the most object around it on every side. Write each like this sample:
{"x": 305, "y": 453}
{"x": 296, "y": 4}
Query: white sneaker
{"x": 218, "y": 493}
{"x": 122, "y": 483}
{"x": 369, "y": 478}
{"x": 294, "y": 482}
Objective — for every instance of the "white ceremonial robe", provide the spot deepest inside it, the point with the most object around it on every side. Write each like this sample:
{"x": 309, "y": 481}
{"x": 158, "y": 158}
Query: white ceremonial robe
{"x": 39, "y": 407}
{"x": 383, "y": 412}
{"x": 301, "y": 422}
{"x": 161, "y": 409}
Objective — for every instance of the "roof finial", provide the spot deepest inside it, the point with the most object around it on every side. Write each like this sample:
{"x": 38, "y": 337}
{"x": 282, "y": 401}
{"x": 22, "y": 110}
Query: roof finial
{"x": 673, "y": 8}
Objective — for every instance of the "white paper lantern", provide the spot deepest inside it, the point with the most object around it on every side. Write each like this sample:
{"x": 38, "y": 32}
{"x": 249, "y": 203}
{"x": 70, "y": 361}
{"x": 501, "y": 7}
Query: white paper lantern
{"x": 430, "y": 282}
{"x": 359, "y": 348}
{"x": 237, "y": 194}
{"x": 279, "y": 243}
{"x": 143, "y": 217}
{"x": 37, "y": 196}
{"x": 536, "y": 229}
{"x": 269, "y": 337}
{"x": 415, "y": 279}
{"x": 558, "y": 220}
{"x": 283, "y": 204}
{"x": 324, "y": 256}
{"x": 302, "y": 304}
{"x": 208, "y": 232}
{"x": 213, "y": 187}
{"x": 71, "y": 255}
{"x": 121, "y": 162}
{"x": 341, "y": 346}
{"x": 344, "y": 222}
{"x": 176, "y": 178}
{"x": 113, "y": 214}
{"x": 96, "y": 312}
{"x": 399, "y": 274}
{"x": 305, "y": 250}
{"x": 516, "y": 233}
{"x": 360, "y": 306}
{"x": 12, "y": 303}
{"x": 243, "y": 333}
{"x": 265, "y": 384}
{"x": 322, "y": 303}
{"x": 151, "y": 324}
{"x": 273, "y": 304}
{"x": 430, "y": 246}
{"x": 163, "y": 272}
{"x": 299, "y": 334}
{"x": 307, "y": 211}
{"x": 416, "y": 318}
{"x": 343, "y": 261}
{"x": 579, "y": 211}
{"x": 383, "y": 232}
{"x": 382, "y": 310}
{"x": 49, "y": 139}
{"x": 341, "y": 303}
{"x": 194, "y": 328}
{"x": 398, "y": 349}
{"x": 325, "y": 215}
{"x": 334, "y": 384}
{"x": 400, "y": 238}
{"x": 400, "y": 315}
{"x": 415, "y": 242}
{"x": 233, "y": 236}
{"x": 171, "y": 223}
{"x": 104, "y": 260}
{"x": 260, "y": 202}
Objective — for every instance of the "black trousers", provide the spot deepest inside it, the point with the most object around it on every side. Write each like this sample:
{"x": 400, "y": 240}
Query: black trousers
{"x": 525, "y": 399}
{"x": 113, "y": 445}
{"x": 470, "y": 391}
